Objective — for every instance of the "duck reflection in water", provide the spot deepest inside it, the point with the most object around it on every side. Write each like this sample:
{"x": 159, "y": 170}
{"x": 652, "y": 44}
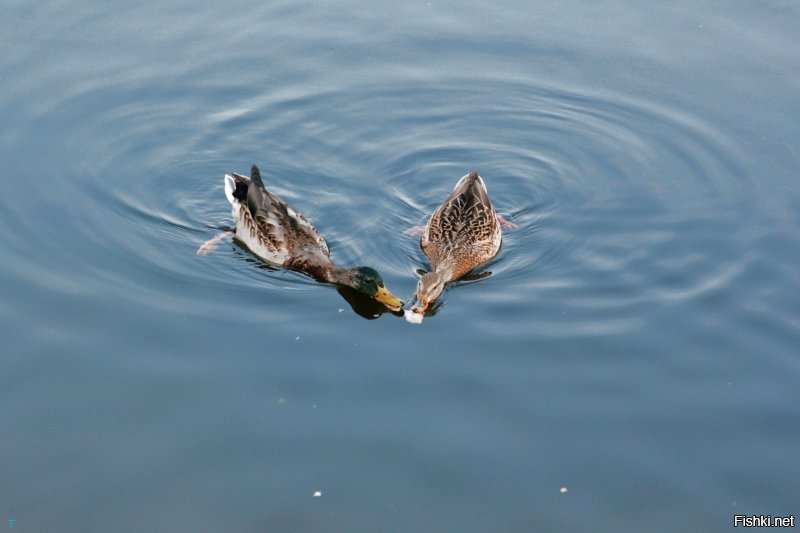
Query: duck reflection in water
{"x": 363, "y": 305}
{"x": 283, "y": 237}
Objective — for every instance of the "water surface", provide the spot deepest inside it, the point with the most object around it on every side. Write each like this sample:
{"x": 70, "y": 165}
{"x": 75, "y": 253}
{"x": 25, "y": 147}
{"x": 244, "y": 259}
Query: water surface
{"x": 635, "y": 344}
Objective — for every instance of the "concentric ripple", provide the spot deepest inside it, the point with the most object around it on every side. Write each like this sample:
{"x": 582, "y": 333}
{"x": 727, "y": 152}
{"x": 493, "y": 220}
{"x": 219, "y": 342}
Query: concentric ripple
{"x": 599, "y": 186}
{"x": 634, "y": 341}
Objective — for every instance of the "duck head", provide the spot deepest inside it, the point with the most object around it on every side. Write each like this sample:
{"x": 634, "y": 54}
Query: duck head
{"x": 368, "y": 281}
{"x": 429, "y": 287}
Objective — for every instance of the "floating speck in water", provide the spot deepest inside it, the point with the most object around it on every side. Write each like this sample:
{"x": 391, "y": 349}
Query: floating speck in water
{"x": 563, "y": 490}
{"x": 340, "y": 310}
{"x": 318, "y": 494}
{"x": 297, "y": 338}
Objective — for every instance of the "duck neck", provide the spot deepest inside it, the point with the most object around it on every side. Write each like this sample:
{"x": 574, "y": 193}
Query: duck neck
{"x": 446, "y": 274}
{"x": 338, "y": 275}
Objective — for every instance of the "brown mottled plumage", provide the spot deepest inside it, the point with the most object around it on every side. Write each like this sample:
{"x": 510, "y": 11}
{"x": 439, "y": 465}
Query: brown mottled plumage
{"x": 271, "y": 228}
{"x": 282, "y": 236}
{"x": 462, "y": 233}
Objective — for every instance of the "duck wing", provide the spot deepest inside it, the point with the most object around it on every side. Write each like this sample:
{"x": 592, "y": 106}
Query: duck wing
{"x": 463, "y": 230}
{"x": 272, "y": 228}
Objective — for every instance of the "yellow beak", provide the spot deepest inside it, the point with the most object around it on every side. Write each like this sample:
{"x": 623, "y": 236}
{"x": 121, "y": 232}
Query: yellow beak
{"x": 388, "y": 299}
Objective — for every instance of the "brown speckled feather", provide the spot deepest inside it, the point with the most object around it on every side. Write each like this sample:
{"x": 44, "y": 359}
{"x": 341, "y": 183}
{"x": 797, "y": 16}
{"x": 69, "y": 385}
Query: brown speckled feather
{"x": 464, "y": 231}
{"x": 274, "y": 230}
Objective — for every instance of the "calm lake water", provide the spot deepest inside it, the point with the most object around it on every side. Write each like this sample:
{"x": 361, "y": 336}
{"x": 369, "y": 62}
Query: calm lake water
{"x": 637, "y": 342}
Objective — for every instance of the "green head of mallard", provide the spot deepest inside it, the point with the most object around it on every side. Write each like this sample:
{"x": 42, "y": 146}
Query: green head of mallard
{"x": 368, "y": 281}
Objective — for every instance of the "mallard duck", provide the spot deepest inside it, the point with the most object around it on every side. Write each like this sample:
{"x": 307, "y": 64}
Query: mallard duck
{"x": 462, "y": 233}
{"x": 283, "y": 237}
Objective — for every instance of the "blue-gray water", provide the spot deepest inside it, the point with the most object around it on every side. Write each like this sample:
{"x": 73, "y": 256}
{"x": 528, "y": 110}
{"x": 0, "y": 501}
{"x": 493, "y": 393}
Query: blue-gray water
{"x": 638, "y": 341}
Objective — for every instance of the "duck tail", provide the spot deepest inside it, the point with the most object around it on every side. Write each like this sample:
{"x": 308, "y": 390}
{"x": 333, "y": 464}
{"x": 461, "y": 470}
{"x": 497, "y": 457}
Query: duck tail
{"x": 255, "y": 175}
{"x": 236, "y": 187}
{"x": 466, "y": 181}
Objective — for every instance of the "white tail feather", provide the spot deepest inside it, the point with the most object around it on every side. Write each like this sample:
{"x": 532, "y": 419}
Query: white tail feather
{"x": 230, "y": 186}
{"x": 464, "y": 177}
{"x": 459, "y": 182}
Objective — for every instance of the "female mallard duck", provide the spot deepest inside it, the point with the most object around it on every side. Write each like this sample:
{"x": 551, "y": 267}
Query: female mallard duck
{"x": 283, "y": 237}
{"x": 462, "y": 233}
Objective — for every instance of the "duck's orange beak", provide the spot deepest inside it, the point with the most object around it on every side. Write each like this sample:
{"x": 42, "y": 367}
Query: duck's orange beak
{"x": 420, "y": 307}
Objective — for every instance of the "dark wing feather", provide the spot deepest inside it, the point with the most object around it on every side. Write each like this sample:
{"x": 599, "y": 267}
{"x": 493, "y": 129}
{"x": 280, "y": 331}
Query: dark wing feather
{"x": 283, "y": 226}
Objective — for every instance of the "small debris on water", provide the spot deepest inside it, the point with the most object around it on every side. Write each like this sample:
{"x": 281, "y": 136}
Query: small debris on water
{"x": 563, "y": 490}
{"x": 297, "y": 338}
{"x": 318, "y": 494}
